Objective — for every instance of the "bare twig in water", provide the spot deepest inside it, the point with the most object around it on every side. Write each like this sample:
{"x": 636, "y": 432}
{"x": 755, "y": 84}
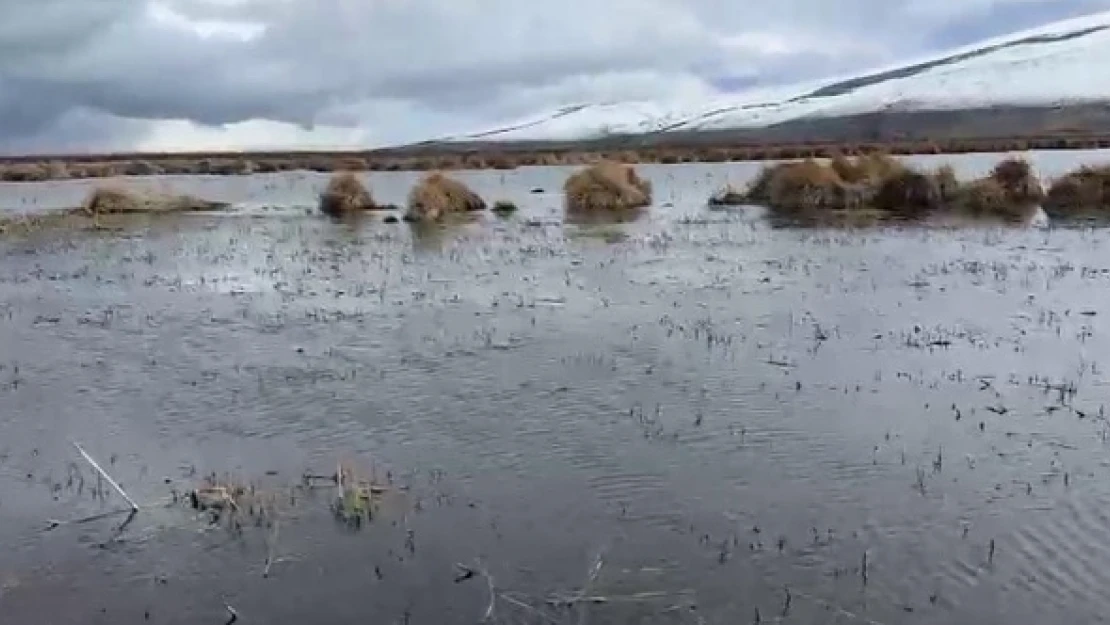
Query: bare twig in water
{"x": 271, "y": 547}
{"x": 467, "y": 572}
{"x": 55, "y": 523}
{"x": 233, "y": 615}
{"x": 492, "y": 597}
{"x": 839, "y": 610}
{"x": 566, "y": 600}
{"x": 511, "y": 600}
{"x": 108, "y": 478}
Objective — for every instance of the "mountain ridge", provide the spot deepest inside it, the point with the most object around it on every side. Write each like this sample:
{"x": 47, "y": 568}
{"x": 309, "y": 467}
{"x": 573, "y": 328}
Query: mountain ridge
{"x": 1035, "y": 71}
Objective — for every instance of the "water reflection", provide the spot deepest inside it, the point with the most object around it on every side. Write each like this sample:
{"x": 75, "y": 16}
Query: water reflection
{"x": 730, "y": 415}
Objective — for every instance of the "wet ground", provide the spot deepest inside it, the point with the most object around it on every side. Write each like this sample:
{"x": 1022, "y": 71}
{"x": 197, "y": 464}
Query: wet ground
{"x": 695, "y": 417}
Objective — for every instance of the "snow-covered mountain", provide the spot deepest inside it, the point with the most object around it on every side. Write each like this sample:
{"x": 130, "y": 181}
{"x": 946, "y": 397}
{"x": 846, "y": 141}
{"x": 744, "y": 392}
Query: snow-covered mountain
{"x": 1054, "y": 64}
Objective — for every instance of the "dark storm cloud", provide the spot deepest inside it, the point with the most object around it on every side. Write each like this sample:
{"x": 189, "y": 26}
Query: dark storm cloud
{"x": 429, "y": 64}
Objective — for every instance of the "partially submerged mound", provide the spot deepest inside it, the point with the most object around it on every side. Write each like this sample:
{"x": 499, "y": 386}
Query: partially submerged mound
{"x": 114, "y": 201}
{"x": 344, "y": 194}
{"x": 1085, "y": 191}
{"x": 607, "y": 186}
{"x": 437, "y": 196}
{"x": 103, "y": 202}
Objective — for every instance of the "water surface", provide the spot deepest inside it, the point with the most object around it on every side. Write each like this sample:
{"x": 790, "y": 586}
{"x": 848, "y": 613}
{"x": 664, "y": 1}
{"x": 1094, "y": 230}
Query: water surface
{"x": 813, "y": 425}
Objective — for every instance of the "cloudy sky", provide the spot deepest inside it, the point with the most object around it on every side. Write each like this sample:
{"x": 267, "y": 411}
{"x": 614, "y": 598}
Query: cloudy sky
{"x": 81, "y": 75}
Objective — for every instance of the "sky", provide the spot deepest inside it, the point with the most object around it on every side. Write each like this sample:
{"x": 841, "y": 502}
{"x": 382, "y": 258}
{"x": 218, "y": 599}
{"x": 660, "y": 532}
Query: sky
{"x": 170, "y": 75}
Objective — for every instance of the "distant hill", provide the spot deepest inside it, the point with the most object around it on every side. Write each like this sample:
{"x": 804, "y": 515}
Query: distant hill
{"x": 1043, "y": 81}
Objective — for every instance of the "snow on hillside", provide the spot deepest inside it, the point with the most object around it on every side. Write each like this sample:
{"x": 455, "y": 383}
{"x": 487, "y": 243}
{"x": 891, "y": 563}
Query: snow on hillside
{"x": 1053, "y": 64}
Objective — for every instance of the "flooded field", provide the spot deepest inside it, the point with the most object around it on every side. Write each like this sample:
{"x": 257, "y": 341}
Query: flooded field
{"x": 695, "y": 417}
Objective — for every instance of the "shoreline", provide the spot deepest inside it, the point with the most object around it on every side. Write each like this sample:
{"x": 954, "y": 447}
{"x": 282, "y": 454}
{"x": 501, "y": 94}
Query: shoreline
{"x": 502, "y": 156}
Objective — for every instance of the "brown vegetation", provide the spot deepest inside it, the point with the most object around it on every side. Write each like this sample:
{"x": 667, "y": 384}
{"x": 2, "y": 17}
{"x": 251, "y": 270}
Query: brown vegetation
{"x": 437, "y": 196}
{"x": 1011, "y": 191}
{"x": 345, "y": 194}
{"x": 803, "y": 186}
{"x": 114, "y": 201}
{"x": 1085, "y": 191}
{"x": 877, "y": 182}
{"x": 606, "y": 186}
{"x": 442, "y": 158}
{"x": 908, "y": 192}
{"x": 105, "y": 202}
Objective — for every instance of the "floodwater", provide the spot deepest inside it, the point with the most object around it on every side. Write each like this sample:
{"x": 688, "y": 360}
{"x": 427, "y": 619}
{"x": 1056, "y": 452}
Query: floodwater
{"x": 694, "y": 417}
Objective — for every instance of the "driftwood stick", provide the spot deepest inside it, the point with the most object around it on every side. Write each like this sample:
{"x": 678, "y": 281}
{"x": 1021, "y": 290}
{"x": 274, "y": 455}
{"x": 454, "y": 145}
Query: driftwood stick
{"x": 104, "y": 474}
{"x": 271, "y": 547}
{"x": 55, "y": 523}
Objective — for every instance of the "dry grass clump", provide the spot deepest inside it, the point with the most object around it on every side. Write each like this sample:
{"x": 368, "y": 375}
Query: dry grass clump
{"x": 116, "y": 201}
{"x": 103, "y": 202}
{"x": 986, "y": 197}
{"x": 606, "y": 186}
{"x": 872, "y": 168}
{"x": 1010, "y": 191}
{"x": 908, "y": 192}
{"x": 344, "y": 194}
{"x": 947, "y": 183}
{"x": 1084, "y": 191}
{"x": 437, "y": 196}
{"x": 25, "y": 172}
{"x": 1016, "y": 176}
{"x": 872, "y": 182}
{"x": 806, "y": 185}
{"x": 108, "y": 200}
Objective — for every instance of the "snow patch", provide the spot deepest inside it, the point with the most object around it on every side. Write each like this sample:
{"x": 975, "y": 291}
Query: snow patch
{"x": 1053, "y": 64}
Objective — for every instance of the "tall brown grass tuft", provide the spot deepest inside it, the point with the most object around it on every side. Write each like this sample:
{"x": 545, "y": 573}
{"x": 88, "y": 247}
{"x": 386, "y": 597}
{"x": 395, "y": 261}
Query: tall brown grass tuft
{"x": 986, "y": 197}
{"x": 1083, "y": 191}
{"x": 344, "y": 194}
{"x": 607, "y": 186}
{"x": 909, "y": 193}
{"x": 847, "y": 168}
{"x": 1010, "y": 191}
{"x": 809, "y": 185}
{"x": 437, "y": 196}
{"x": 947, "y": 182}
{"x": 1016, "y": 176}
